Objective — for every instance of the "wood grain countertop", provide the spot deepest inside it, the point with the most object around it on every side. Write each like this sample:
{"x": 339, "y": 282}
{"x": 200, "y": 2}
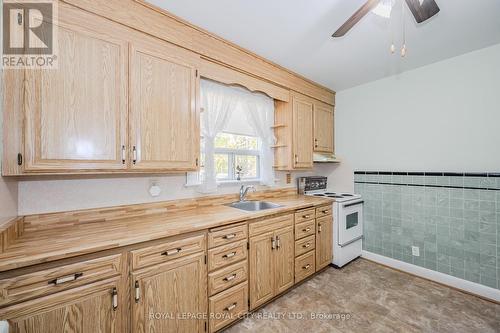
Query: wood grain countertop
{"x": 45, "y": 244}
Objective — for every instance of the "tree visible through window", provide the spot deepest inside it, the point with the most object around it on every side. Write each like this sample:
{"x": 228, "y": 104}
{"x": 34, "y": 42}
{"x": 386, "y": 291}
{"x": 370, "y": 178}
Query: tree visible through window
{"x": 235, "y": 152}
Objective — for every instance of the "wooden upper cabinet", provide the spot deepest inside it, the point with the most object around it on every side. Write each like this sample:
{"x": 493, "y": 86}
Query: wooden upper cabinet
{"x": 174, "y": 289}
{"x": 94, "y": 308}
{"x": 323, "y": 128}
{"x": 164, "y": 117}
{"x": 76, "y": 115}
{"x": 302, "y": 132}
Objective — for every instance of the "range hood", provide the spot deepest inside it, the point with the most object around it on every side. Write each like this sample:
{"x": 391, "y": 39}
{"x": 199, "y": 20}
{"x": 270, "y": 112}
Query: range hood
{"x": 325, "y": 158}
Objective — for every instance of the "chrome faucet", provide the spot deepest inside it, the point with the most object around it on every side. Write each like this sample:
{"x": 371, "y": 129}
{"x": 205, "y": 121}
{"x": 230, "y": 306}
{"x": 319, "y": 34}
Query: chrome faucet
{"x": 244, "y": 191}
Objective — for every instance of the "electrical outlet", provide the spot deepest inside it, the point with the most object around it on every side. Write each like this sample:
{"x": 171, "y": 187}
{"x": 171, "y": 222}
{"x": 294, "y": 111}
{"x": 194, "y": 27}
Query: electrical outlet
{"x": 415, "y": 251}
{"x": 288, "y": 178}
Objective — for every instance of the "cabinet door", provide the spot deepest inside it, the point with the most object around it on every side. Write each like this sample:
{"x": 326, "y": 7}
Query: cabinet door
{"x": 284, "y": 259}
{"x": 164, "y": 121}
{"x": 167, "y": 296}
{"x": 324, "y": 241}
{"x": 302, "y": 133}
{"x": 261, "y": 267}
{"x": 76, "y": 115}
{"x": 323, "y": 128}
{"x": 87, "y": 309}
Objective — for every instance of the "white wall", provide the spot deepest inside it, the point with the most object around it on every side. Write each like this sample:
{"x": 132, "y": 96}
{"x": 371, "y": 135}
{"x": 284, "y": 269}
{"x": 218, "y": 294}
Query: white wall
{"x": 44, "y": 195}
{"x": 441, "y": 117}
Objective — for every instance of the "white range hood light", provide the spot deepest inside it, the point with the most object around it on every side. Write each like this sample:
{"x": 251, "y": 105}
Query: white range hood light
{"x": 325, "y": 158}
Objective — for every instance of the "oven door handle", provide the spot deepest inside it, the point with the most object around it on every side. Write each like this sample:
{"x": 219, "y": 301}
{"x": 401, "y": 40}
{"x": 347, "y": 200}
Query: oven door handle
{"x": 351, "y": 241}
{"x": 354, "y": 203}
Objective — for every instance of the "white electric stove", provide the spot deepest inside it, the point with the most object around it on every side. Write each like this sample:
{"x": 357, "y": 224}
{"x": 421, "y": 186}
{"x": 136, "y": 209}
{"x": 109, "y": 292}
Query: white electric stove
{"x": 347, "y": 215}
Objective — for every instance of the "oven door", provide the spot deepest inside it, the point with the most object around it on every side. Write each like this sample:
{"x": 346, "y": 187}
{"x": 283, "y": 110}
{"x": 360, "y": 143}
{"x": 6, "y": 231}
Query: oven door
{"x": 350, "y": 222}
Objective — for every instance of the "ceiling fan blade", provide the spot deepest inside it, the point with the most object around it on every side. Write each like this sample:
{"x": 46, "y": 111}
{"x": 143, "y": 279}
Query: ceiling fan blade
{"x": 423, "y": 12}
{"x": 360, "y": 13}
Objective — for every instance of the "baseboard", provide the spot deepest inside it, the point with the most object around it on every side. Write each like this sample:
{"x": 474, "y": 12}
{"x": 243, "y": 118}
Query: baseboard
{"x": 477, "y": 289}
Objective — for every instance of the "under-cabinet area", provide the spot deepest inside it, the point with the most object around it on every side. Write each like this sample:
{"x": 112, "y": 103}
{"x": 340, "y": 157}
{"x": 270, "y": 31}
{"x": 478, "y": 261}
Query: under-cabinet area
{"x": 203, "y": 279}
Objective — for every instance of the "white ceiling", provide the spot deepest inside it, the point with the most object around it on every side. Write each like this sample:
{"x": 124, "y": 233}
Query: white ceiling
{"x": 297, "y": 34}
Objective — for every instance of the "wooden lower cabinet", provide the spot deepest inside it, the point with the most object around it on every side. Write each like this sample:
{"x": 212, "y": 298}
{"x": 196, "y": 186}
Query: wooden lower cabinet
{"x": 324, "y": 241}
{"x": 284, "y": 259}
{"x": 271, "y": 265}
{"x": 93, "y": 308}
{"x": 171, "y": 297}
{"x": 261, "y": 269}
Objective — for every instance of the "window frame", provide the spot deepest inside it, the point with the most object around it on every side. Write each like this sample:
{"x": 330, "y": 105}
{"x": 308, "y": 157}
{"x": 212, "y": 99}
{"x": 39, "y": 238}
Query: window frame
{"x": 232, "y": 153}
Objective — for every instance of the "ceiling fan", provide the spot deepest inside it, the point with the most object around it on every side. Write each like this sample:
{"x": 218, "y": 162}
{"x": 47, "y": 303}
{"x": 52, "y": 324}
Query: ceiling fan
{"x": 422, "y": 10}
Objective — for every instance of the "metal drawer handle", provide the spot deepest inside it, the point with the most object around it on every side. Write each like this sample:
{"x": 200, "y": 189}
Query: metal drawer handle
{"x": 231, "y": 307}
{"x": 306, "y": 266}
{"x": 306, "y": 216}
{"x": 319, "y": 228}
{"x": 230, "y": 236}
{"x": 171, "y": 252}
{"x": 229, "y": 255}
{"x": 230, "y": 277}
{"x": 114, "y": 295}
{"x": 306, "y": 229}
{"x": 137, "y": 292}
{"x": 278, "y": 242}
{"x": 64, "y": 279}
{"x": 325, "y": 211}
{"x": 306, "y": 245}
{"x": 273, "y": 243}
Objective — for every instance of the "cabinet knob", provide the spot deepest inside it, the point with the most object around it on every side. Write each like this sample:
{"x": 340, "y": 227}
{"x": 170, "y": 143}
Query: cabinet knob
{"x": 172, "y": 252}
{"x": 230, "y": 236}
{"x": 114, "y": 295}
{"x": 306, "y": 245}
{"x": 306, "y": 267}
{"x": 229, "y": 255}
{"x": 137, "y": 292}
{"x": 231, "y": 307}
{"x": 64, "y": 279}
{"x": 134, "y": 153}
{"x": 230, "y": 277}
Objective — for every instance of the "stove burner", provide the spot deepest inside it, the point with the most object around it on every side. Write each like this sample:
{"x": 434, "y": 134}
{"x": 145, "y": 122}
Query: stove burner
{"x": 319, "y": 195}
{"x": 347, "y": 195}
{"x": 330, "y": 193}
{"x": 335, "y": 196}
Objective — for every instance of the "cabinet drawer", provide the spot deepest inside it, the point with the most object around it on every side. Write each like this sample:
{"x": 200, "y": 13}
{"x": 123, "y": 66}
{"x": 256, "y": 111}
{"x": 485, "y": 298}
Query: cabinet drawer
{"x": 304, "y": 215}
{"x": 53, "y": 280}
{"x": 324, "y": 211}
{"x": 227, "y": 254}
{"x": 305, "y": 229}
{"x": 227, "y": 306}
{"x": 225, "y": 278}
{"x": 226, "y": 235}
{"x": 170, "y": 249}
{"x": 305, "y": 245}
{"x": 305, "y": 265}
{"x": 270, "y": 225}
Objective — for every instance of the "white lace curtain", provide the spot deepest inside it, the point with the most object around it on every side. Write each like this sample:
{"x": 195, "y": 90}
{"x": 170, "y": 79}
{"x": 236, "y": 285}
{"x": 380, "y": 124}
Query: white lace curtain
{"x": 217, "y": 101}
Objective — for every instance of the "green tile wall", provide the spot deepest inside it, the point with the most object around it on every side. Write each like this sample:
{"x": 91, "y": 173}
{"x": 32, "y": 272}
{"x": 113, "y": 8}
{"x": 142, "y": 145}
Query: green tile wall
{"x": 457, "y": 229}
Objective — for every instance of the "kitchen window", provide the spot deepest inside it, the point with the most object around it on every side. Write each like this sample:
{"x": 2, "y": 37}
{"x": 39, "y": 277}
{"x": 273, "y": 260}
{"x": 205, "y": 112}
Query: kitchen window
{"x": 237, "y": 157}
{"x": 236, "y": 137}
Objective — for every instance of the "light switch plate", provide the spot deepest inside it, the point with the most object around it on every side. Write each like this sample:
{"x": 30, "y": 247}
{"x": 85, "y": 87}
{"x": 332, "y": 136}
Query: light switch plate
{"x": 415, "y": 251}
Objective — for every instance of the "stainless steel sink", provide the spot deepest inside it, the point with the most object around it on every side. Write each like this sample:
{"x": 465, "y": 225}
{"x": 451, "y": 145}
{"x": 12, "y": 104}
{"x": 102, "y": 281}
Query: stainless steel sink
{"x": 253, "y": 206}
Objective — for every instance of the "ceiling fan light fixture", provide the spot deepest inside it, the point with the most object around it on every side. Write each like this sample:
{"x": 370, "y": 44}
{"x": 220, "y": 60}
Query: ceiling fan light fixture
{"x": 384, "y": 8}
